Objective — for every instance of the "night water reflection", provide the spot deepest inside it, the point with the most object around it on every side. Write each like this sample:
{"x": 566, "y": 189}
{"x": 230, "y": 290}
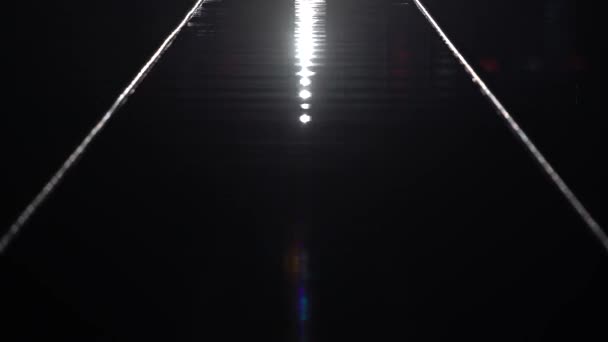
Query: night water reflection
{"x": 299, "y": 277}
{"x": 309, "y": 34}
{"x": 427, "y": 220}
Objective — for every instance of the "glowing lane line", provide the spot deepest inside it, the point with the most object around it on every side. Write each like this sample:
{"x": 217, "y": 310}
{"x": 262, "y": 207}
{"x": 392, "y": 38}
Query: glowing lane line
{"x": 50, "y": 186}
{"x": 522, "y": 136}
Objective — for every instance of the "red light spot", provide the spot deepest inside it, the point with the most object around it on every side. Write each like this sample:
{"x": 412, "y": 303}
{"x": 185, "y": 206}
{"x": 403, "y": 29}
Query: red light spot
{"x": 489, "y": 65}
{"x": 577, "y": 63}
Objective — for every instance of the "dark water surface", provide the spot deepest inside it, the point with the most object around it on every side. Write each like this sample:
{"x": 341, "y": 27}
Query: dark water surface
{"x": 403, "y": 210}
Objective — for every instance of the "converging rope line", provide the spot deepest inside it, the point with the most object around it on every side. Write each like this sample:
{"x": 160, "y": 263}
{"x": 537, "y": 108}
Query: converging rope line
{"x": 50, "y": 186}
{"x": 522, "y": 136}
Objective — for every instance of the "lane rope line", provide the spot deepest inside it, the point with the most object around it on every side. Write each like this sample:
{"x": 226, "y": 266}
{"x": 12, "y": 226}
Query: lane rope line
{"x": 546, "y": 167}
{"x": 50, "y": 186}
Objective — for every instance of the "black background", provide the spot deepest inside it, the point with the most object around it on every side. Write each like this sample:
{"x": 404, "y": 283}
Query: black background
{"x": 423, "y": 226}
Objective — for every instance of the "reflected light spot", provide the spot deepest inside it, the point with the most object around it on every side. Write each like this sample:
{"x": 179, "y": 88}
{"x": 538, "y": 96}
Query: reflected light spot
{"x": 305, "y": 94}
{"x": 309, "y": 35}
{"x": 305, "y": 72}
{"x": 305, "y": 118}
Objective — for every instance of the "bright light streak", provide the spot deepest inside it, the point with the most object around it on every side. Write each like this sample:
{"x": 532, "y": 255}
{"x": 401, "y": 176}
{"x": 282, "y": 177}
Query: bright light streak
{"x": 309, "y": 34}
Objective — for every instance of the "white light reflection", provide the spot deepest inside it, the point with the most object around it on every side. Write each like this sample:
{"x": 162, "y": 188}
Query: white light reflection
{"x": 309, "y": 34}
{"x": 304, "y": 94}
{"x": 305, "y": 72}
{"x": 305, "y": 118}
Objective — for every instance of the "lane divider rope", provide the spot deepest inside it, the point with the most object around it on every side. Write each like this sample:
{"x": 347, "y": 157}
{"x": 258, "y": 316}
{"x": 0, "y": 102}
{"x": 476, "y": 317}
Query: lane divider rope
{"x": 540, "y": 159}
{"x": 58, "y": 176}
